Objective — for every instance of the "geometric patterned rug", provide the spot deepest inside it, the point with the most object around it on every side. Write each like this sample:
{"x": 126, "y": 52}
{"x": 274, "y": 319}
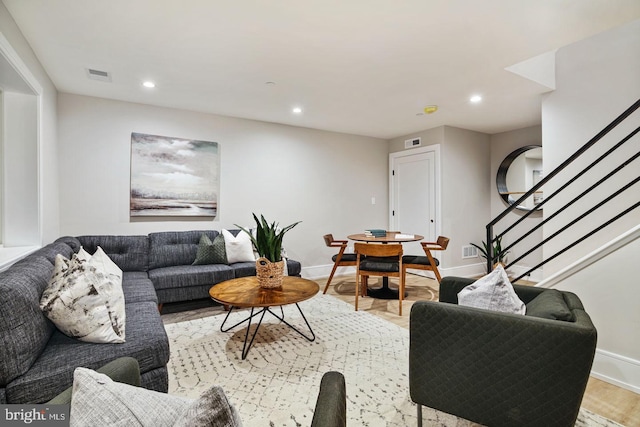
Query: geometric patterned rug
{"x": 277, "y": 384}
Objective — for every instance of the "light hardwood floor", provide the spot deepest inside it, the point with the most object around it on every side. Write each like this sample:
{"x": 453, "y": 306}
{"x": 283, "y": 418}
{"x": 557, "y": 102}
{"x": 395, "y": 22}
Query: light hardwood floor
{"x": 615, "y": 403}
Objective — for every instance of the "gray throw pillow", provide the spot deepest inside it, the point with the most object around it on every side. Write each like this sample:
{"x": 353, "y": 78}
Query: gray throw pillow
{"x": 97, "y": 400}
{"x": 492, "y": 292}
{"x": 211, "y": 409}
{"x": 550, "y": 304}
{"x": 211, "y": 252}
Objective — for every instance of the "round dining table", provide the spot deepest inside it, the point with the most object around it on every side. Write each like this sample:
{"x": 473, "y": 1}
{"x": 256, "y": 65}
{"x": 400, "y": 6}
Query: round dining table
{"x": 385, "y": 292}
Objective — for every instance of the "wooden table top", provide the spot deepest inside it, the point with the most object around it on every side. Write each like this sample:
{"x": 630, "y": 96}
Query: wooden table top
{"x": 246, "y": 292}
{"x": 390, "y": 237}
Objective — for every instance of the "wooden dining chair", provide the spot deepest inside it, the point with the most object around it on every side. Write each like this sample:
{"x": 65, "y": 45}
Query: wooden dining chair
{"x": 341, "y": 259}
{"x": 427, "y": 262}
{"x": 373, "y": 259}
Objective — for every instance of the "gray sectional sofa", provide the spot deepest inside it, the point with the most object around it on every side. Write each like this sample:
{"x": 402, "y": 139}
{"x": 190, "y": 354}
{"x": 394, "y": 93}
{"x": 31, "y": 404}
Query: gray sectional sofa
{"x": 37, "y": 360}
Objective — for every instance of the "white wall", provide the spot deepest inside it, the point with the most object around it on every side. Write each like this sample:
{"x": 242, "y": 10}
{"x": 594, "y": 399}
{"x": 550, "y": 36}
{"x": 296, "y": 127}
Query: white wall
{"x": 47, "y": 171}
{"x": 608, "y": 290}
{"x": 597, "y": 79}
{"x": 324, "y": 179}
{"x": 465, "y": 206}
{"x": 21, "y": 220}
{"x": 502, "y": 144}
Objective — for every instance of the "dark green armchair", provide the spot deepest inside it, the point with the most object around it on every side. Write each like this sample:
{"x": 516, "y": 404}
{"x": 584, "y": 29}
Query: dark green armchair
{"x": 499, "y": 369}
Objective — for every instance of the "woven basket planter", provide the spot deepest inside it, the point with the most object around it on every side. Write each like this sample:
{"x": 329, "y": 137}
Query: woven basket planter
{"x": 269, "y": 273}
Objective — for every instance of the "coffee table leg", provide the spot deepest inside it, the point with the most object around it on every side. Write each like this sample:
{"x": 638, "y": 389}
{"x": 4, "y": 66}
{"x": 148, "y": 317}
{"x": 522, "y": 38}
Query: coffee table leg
{"x": 245, "y": 347}
{"x": 239, "y": 323}
{"x": 313, "y": 335}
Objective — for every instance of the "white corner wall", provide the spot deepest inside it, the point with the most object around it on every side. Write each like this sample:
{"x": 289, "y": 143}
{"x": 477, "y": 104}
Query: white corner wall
{"x": 324, "y": 179}
{"x": 597, "y": 79}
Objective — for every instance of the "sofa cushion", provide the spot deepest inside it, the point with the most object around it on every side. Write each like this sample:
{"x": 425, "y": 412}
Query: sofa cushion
{"x": 190, "y": 275}
{"x": 85, "y": 300}
{"x": 550, "y": 304}
{"x": 211, "y": 252}
{"x": 137, "y": 287}
{"x": 130, "y": 253}
{"x": 52, "y": 372}
{"x": 71, "y": 241}
{"x": 171, "y": 248}
{"x": 24, "y": 329}
{"x": 492, "y": 292}
{"x": 51, "y": 250}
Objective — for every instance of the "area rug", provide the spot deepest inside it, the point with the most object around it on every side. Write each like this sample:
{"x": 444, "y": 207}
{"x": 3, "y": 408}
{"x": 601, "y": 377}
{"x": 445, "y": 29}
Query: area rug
{"x": 277, "y": 384}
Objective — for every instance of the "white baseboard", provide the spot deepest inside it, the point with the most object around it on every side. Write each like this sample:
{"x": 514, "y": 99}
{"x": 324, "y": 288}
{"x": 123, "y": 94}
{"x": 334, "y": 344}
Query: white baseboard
{"x": 323, "y": 271}
{"x": 618, "y": 370}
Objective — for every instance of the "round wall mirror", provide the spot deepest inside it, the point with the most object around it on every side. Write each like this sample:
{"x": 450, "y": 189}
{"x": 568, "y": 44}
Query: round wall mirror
{"x": 518, "y": 172}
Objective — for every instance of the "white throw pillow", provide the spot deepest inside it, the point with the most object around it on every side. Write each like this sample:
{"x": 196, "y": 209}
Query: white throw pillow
{"x": 85, "y": 299}
{"x": 239, "y": 248}
{"x": 492, "y": 292}
{"x": 97, "y": 400}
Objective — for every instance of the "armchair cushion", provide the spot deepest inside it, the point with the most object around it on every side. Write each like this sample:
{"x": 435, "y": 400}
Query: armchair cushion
{"x": 550, "y": 305}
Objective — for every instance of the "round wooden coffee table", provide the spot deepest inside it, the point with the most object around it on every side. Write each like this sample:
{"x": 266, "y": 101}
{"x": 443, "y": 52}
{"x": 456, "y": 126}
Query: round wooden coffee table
{"x": 245, "y": 292}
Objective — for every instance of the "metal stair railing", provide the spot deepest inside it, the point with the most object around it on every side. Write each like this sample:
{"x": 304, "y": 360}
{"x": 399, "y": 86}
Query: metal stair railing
{"x": 550, "y": 176}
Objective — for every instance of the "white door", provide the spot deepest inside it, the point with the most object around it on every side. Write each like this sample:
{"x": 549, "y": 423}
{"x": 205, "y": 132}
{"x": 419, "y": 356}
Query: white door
{"x": 413, "y": 196}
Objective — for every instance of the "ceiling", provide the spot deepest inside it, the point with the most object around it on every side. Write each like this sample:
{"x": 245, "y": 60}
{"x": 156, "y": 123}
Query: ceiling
{"x": 365, "y": 67}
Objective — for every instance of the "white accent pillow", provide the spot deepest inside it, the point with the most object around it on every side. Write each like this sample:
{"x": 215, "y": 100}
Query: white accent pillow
{"x": 84, "y": 299}
{"x": 239, "y": 248}
{"x": 97, "y": 400}
{"x": 492, "y": 292}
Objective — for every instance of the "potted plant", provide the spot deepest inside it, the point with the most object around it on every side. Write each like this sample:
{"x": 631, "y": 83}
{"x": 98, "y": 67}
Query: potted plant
{"x": 498, "y": 255}
{"x": 268, "y": 242}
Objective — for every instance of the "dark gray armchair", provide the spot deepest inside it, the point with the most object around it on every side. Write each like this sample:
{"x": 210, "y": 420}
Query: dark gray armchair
{"x": 499, "y": 369}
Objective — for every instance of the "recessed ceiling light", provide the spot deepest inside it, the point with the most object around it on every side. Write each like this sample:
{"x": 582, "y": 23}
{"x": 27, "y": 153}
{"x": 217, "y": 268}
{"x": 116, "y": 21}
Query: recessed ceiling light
{"x": 297, "y": 110}
{"x": 149, "y": 84}
{"x": 475, "y": 99}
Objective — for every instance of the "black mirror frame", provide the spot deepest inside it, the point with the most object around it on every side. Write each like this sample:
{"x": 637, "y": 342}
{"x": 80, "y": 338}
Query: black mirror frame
{"x": 501, "y": 177}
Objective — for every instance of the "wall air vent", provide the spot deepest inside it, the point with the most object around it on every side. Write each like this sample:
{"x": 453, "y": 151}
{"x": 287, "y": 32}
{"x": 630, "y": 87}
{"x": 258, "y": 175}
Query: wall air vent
{"x": 413, "y": 142}
{"x": 469, "y": 252}
{"x": 103, "y": 76}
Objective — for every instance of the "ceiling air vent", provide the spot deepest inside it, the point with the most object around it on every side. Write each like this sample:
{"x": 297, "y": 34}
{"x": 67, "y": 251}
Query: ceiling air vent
{"x": 413, "y": 142}
{"x": 103, "y": 76}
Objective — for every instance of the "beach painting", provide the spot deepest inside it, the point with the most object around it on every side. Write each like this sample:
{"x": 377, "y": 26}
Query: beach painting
{"x": 173, "y": 176}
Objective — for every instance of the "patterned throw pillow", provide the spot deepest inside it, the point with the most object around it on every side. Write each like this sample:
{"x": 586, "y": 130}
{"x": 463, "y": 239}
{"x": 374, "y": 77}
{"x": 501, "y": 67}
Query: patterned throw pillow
{"x": 492, "y": 292}
{"x": 98, "y": 400}
{"x": 84, "y": 299}
{"x": 211, "y": 252}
